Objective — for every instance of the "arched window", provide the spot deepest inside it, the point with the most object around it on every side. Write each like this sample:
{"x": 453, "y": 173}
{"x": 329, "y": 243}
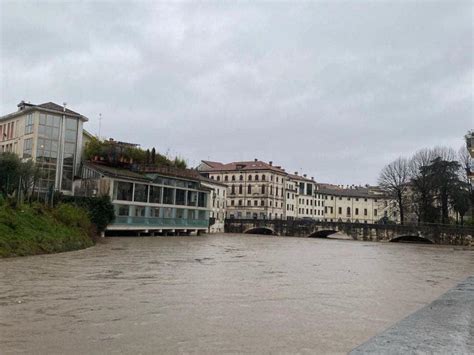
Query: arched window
{"x": 232, "y": 190}
{"x": 241, "y": 178}
{"x": 263, "y": 189}
{"x": 249, "y": 189}
{"x": 240, "y": 189}
{"x": 218, "y": 178}
{"x": 256, "y": 177}
{"x": 233, "y": 177}
{"x": 276, "y": 191}
{"x": 250, "y": 177}
{"x": 271, "y": 190}
{"x": 348, "y": 211}
{"x": 226, "y": 178}
{"x": 263, "y": 177}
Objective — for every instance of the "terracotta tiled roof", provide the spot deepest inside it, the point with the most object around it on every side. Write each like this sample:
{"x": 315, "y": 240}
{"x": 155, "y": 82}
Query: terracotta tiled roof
{"x": 299, "y": 177}
{"x": 241, "y": 166}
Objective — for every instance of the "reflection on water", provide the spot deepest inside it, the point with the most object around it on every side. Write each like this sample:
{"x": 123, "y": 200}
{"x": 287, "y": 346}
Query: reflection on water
{"x": 215, "y": 294}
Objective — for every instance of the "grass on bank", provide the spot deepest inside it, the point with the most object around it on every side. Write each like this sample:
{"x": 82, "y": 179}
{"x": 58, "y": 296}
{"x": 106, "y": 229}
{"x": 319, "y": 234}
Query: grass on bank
{"x": 30, "y": 230}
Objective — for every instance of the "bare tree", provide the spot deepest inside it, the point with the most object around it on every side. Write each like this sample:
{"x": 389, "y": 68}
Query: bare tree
{"x": 394, "y": 179}
{"x": 464, "y": 159}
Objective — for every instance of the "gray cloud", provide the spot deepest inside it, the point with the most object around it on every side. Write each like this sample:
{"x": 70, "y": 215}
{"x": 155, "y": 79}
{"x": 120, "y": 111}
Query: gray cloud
{"x": 334, "y": 89}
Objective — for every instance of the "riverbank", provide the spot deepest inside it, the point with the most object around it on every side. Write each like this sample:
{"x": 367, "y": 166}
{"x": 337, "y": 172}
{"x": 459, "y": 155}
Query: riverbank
{"x": 31, "y": 230}
{"x": 444, "y": 326}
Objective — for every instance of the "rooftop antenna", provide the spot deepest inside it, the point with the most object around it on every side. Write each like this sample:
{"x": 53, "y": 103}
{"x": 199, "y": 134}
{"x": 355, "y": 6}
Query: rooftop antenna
{"x": 100, "y": 122}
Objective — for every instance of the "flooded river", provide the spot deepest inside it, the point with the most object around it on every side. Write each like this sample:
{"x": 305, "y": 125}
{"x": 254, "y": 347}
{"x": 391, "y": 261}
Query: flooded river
{"x": 218, "y": 294}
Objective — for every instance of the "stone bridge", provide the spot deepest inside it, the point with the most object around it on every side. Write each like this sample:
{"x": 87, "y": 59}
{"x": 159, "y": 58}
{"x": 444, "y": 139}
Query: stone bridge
{"x": 432, "y": 234}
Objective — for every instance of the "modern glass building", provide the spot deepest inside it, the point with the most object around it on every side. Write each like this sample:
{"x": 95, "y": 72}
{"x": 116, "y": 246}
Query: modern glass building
{"x": 50, "y": 135}
{"x": 148, "y": 202}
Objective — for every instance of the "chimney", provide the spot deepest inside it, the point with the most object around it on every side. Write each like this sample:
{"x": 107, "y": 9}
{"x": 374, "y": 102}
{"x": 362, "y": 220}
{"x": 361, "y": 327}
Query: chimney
{"x": 270, "y": 163}
{"x": 312, "y": 178}
{"x": 255, "y": 159}
{"x": 64, "y": 106}
{"x": 304, "y": 175}
{"x": 296, "y": 173}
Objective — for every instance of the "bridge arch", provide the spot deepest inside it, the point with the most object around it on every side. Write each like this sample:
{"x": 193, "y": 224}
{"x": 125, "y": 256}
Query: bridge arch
{"x": 260, "y": 230}
{"x": 322, "y": 233}
{"x": 410, "y": 238}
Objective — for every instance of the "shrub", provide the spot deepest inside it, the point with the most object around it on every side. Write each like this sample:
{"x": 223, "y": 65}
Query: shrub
{"x": 100, "y": 209}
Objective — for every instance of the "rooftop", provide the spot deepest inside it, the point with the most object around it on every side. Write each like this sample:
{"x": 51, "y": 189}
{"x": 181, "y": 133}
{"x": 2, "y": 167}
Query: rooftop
{"x": 241, "y": 166}
{"x": 50, "y": 107}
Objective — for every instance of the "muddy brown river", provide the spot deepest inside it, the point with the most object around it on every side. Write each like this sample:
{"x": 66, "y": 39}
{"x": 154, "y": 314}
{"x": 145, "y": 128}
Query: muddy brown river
{"x": 218, "y": 294}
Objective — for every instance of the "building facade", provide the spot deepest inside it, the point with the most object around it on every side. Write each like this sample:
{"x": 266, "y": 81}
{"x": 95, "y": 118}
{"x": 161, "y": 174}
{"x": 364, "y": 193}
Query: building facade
{"x": 255, "y": 189}
{"x": 50, "y": 135}
{"x": 217, "y": 204}
{"x": 148, "y": 202}
{"x": 357, "y": 205}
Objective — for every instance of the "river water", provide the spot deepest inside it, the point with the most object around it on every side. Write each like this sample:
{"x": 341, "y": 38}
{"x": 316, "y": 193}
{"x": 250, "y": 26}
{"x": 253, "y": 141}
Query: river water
{"x": 218, "y": 294}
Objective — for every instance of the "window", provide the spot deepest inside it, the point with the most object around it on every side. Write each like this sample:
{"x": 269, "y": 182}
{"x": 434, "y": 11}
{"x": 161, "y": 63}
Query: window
{"x": 375, "y": 212}
{"x": 255, "y": 203}
{"x": 226, "y": 178}
{"x": 241, "y": 178}
{"x": 249, "y": 189}
{"x": 357, "y": 211}
{"x": 124, "y": 191}
{"x": 192, "y": 198}
{"x": 262, "y": 203}
{"x": 141, "y": 193}
{"x": 29, "y": 124}
{"x": 27, "y": 148}
{"x": 263, "y": 189}
{"x": 240, "y": 202}
{"x": 122, "y": 210}
{"x": 365, "y": 211}
{"x": 263, "y": 177}
{"x": 232, "y": 190}
{"x": 168, "y": 196}
{"x": 348, "y": 211}
{"x": 218, "y": 178}
{"x": 232, "y": 202}
{"x": 233, "y": 177}
{"x": 250, "y": 177}
{"x": 249, "y": 203}
{"x": 180, "y": 197}
{"x": 241, "y": 189}
{"x": 155, "y": 194}
{"x": 340, "y": 210}
{"x": 256, "y": 177}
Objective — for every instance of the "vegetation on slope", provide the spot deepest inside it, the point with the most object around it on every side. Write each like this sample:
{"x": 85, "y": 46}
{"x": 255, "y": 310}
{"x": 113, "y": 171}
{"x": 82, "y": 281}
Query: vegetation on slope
{"x": 29, "y": 230}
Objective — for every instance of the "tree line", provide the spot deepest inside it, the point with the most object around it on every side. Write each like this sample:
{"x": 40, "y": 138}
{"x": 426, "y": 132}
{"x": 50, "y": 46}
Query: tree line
{"x": 429, "y": 185}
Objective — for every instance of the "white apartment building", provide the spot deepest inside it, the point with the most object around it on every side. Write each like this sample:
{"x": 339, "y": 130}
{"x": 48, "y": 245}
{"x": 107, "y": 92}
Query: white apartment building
{"x": 217, "y": 203}
{"x": 308, "y": 203}
{"x": 357, "y": 204}
{"x": 49, "y": 134}
{"x": 255, "y": 189}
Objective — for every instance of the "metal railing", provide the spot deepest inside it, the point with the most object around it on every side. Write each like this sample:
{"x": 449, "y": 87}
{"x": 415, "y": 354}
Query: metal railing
{"x": 161, "y": 222}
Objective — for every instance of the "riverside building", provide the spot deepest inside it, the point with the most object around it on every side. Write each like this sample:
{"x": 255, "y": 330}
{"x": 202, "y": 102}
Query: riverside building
{"x": 357, "y": 204}
{"x": 255, "y": 189}
{"x": 217, "y": 204}
{"x": 158, "y": 201}
{"x": 51, "y": 136}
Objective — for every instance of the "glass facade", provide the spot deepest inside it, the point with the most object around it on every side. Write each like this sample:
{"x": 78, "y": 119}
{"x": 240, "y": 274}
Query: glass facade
{"x": 55, "y": 152}
{"x": 143, "y": 198}
{"x": 69, "y": 158}
{"x": 47, "y": 148}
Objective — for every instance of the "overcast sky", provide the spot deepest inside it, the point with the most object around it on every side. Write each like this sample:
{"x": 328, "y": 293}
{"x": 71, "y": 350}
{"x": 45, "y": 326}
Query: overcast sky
{"x": 333, "y": 89}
